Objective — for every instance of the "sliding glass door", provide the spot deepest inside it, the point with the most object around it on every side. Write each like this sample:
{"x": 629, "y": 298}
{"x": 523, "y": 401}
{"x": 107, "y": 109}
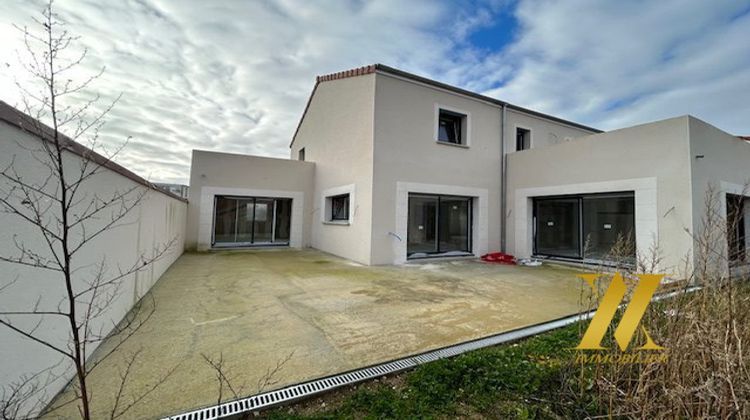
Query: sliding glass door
{"x": 608, "y": 222}
{"x": 438, "y": 225}
{"x": 585, "y": 226}
{"x": 558, "y": 227}
{"x": 422, "y": 231}
{"x": 244, "y": 221}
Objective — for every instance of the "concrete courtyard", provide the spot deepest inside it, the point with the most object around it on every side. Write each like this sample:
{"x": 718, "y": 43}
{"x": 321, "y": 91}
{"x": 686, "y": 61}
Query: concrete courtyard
{"x": 255, "y": 309}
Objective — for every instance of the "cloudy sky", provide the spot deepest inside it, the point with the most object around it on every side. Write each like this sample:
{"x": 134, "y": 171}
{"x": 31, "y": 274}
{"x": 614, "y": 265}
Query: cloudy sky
{"x": 234, "y": 76}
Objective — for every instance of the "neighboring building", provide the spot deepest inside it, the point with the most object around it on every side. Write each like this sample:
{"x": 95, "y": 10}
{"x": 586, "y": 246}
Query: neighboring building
{"x": 387, "y": 166}
{"x": 176, "y": 189}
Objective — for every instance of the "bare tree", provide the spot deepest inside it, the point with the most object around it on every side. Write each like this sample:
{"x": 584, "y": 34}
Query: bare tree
{"x": 68, "y": 217}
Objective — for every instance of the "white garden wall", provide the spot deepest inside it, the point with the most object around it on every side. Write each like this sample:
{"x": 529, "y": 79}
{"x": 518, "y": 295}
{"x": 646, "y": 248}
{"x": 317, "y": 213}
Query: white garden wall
{"x": 157, "y": 220}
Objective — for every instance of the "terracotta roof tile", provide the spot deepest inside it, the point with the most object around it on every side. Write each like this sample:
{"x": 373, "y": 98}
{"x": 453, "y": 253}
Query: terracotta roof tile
{"x": 360, "y": 71}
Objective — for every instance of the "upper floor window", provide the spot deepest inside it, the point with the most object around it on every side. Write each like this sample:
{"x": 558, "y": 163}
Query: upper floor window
{"x": 340, "y": 207}
{"x": 301, "y": 154}
{"x": 451, "y": 127}
{"x": 523, "y": 139}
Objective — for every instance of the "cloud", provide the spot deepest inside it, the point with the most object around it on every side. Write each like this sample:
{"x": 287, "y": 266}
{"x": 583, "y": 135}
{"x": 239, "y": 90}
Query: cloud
{"x": 613, "y": 64}
{"x": 228, "y": 76}
{"x": 234, "y": 76}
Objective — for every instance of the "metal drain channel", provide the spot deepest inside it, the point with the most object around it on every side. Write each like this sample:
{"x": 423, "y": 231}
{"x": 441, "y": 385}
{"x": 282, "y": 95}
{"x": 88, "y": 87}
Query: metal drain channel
{"x": 314, "y": 387}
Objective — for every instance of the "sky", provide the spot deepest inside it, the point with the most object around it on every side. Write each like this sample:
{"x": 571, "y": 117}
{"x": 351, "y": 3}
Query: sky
{"x": 234, "y": 76}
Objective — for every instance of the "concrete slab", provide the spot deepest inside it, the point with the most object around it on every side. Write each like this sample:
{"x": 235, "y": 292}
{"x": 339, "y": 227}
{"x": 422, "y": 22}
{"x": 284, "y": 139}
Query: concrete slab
{"x": 255, "y": 308}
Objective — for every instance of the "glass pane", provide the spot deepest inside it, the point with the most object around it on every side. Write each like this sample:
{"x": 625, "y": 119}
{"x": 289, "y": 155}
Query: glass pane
{"x": 557, "y": 228}
{"x": 605, "y": 219}
{"x": 244, "y": 220}
{"x": 737, "y": 227}
{"x": 421, "y": 234}
{"x": 263, "y": 222}
{"x": 340, "y": 207}
{"x": 449, "y": 129}
{"x": 453, "y": 228}
{"x": 225, "y": 220}
{"x": 283, "y": 219}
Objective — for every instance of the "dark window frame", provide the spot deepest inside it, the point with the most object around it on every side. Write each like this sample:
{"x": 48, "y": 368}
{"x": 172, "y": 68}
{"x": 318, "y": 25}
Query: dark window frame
{"x": 454, "y": 131}
{"x": 737, "y": 236}
{"x": 252, "y": 242}
{"x": 523, "y": 139}
{"x": 301, "y": 154}
{"x": 339, "y": 207}
{"x": 470, "y": 223}
{"x": 581, "y": 240}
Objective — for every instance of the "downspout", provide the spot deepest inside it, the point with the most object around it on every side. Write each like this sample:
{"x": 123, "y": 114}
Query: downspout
{"x": 503, "y": 182}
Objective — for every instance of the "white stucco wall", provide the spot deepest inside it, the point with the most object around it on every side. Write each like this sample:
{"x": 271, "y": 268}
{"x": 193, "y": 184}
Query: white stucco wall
{"x": 544, "y": 132}
{"x": 155, "y": 222}
{"x": 213, "y": 174}
{"x": 337, "y": 133}
{"x": 720, "y": 162}
{"x": 651, "y": 159}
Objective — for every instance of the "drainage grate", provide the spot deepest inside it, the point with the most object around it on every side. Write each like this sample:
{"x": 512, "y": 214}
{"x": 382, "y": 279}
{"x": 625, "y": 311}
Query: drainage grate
{"x": 318, "y": 386}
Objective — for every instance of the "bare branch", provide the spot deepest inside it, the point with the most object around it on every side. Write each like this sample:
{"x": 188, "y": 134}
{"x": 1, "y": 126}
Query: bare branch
{"x": 30, "y": 335}
{"x": 269, "y": 378}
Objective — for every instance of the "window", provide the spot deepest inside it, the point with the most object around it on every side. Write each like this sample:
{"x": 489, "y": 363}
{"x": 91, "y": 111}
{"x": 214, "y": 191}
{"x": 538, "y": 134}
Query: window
{"x": 340, "y": 207}
{"x": 736, "y": 227}
{"x": 450, "y": 127}
{"x": 523, "y": 139}
{"x": 438, "y": 224}
{"x": 589, "y": 227}
{"x": 301, "y": 154}
{"x": 248, "y": 221}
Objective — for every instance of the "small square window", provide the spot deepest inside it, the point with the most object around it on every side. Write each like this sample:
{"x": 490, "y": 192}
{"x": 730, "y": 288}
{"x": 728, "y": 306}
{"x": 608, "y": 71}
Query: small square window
{"x": 523, "y": 139}
{"x": 450, "y": 127}
{"x": 301, "y": 154}
{"x": 340, "y": 207}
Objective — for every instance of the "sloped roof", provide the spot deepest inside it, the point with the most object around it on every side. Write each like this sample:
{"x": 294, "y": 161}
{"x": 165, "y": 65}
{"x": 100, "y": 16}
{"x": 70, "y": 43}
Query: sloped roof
{"x": 32, "y": 126}
{"x": 374, "y": 68}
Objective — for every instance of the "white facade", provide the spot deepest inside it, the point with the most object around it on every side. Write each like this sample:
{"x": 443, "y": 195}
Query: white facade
{"x": 222, "y": 174}
{"x": 373, "y": 135}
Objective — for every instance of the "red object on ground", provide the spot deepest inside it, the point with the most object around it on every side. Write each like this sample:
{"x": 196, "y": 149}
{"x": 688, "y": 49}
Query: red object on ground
{"x": 499, "y": 258}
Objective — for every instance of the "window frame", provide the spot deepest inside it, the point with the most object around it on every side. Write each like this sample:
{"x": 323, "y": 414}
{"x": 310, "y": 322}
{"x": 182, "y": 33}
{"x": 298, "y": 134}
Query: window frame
{"x": 528, "y": 133}
{"x": 301, "y": 154}
{"x": 463, "y": 119}
{"x": 333, "y": 217}
{"x": 581, "y": 199}
{"x": 453, "y": 127}
{"x": 326, "y": 204}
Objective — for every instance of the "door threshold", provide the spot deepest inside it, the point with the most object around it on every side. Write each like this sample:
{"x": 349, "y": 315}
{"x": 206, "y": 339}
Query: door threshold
{"x": 576, "y": 262}
{"x": 441, "y": 256}
{"x": 255, "y": 246}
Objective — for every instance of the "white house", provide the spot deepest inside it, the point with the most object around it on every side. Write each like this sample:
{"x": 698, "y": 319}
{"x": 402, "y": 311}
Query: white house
{"x": 387, "y": 166}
